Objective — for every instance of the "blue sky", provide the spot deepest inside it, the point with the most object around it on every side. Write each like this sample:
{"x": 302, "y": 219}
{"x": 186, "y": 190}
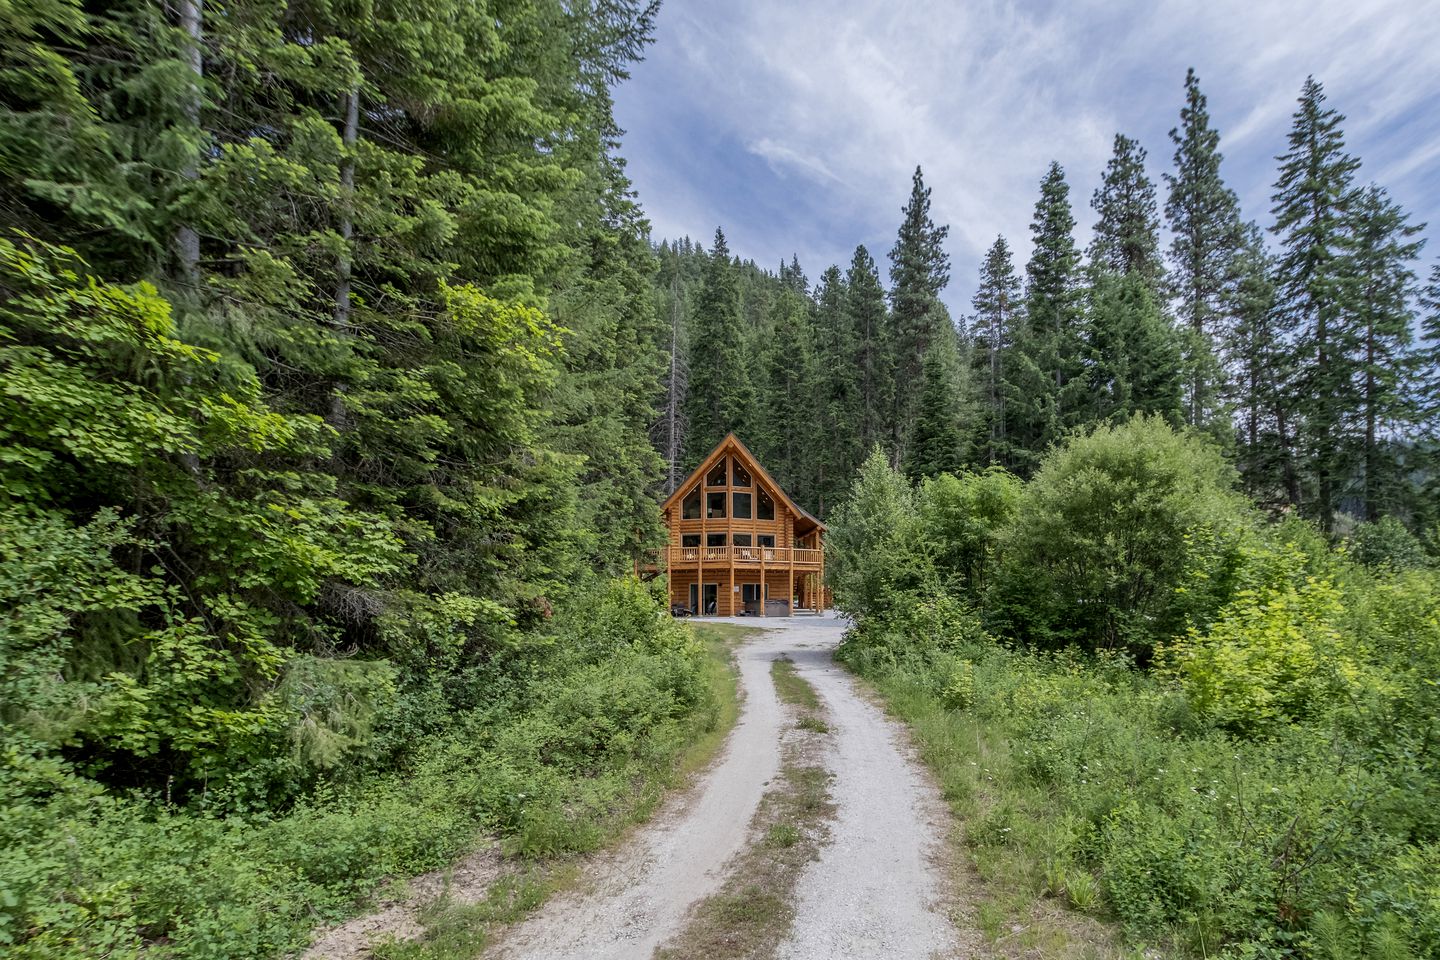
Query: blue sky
{"x": 795, "y": 124}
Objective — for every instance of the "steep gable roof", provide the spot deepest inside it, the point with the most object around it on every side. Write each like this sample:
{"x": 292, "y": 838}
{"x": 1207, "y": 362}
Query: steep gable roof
{"x": 732, "y": 444}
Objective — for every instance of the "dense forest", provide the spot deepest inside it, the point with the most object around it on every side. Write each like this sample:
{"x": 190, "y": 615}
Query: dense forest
{"x": 327, "y": 361}
{"x": 340, "y": 379}
{"x": 1308, "y": 349}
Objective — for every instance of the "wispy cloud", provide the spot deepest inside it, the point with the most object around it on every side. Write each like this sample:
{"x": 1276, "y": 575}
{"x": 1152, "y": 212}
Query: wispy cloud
{"x": 796, "y": 124}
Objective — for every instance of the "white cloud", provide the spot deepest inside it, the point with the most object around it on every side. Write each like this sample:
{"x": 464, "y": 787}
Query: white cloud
{"x": 842, "y": 100}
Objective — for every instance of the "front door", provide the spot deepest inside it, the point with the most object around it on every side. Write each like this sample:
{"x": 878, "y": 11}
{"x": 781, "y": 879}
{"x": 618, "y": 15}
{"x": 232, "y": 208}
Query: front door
{"x": 694, "y": 598}
{"x": 712, "y": 599}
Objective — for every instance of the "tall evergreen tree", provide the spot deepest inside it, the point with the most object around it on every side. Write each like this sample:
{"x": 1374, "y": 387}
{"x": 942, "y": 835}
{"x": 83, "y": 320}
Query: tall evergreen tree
{"x": 1046, "y": 386}
{"x": 874, "y": 349}
{"x": 997, "y": 304}
{"x": 1134, "y": 354}
{"x": 919, "y": 270}
{"x": 721, "y": 395}
{"x": 1127, "y": 229}
{"x": 1259, "y": 361}
{"x": 789, "y": 396}
{"x": 1204, "y": 219}
{"x": 1427, "y": 358}
{"x": 1315, "y": 289}
{"x": 840, "y": 409}
{"x": 1385, "y": 246}
{"x": 938, "y": 442}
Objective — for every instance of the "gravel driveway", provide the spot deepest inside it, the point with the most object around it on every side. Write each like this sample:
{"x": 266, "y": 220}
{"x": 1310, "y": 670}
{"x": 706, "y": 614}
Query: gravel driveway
{"x": 877, "y": 889}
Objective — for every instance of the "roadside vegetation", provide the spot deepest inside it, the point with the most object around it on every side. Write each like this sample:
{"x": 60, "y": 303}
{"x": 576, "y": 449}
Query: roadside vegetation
{"x": 1154, "y": 706}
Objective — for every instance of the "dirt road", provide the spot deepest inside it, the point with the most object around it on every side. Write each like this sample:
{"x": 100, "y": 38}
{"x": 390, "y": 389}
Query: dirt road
{"x": 876, "y": 890}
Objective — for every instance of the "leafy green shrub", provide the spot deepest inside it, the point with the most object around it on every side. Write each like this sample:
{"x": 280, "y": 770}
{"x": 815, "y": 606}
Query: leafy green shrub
{"x": 1105, "y": 534}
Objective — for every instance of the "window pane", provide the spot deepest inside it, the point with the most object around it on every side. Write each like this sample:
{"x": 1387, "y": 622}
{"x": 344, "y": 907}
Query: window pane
{"x": 690, "y": 510}
{"x": 741, "y": 539}
{"x": 742, "y": 506}
{"x": 714, "y": 539}
{"x": 741, "y": 476}
{"x": 690, "y": 540}
{"x": 715, "y": 505}
{"x": 767, "y": 540}
{"x": 716, "y": 476}
{"x": 767, "y": 507}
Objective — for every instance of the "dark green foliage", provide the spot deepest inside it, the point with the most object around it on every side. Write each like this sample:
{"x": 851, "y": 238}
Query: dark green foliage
{"x": 872, "y": 336}
{"x": 721, "y": 396}
{"x": 1315, "y": 294}
{"x": 919, "y": 270}
{"x": 1127, "y": 229}
{"x": 940, "y": 438}
{"x": 1204, "y": 219}
{"x": 1045, "y": 387}
{"x": 1134, "y": 353}
{"x": 994, "y": 329}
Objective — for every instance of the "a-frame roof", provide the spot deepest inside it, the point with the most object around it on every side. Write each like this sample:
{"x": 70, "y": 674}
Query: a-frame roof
{"x": 732, "y": 444}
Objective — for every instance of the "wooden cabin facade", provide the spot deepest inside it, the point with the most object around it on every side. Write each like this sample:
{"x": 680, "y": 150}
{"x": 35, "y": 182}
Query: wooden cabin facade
{"x": 738, "y": 544}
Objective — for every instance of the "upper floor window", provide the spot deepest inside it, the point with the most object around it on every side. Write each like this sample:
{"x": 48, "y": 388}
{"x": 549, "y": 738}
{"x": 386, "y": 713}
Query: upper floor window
{"x": 742, "y": 506}
{"x": 690, "y": 540}
{"x": 765, "y": 508}
{"x": 739, "y": 476}
{"x": 715, "y": 506}
{"x": 716, "y": 476}
{"x": 690, "y": 506}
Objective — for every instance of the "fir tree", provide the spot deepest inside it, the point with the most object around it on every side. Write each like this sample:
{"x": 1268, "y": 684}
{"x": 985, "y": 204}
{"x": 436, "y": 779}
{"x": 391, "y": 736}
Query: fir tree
{"x": 1315, "y": 291}
{"x": 1045, "y": 387}
{"x": 997, "y": 304}
{"x": 1384, "y": 247}
{"x": 919, "y": 270}
{"x": 721, "y": 395}
{"x": 1427, "y": 358}
{"x": 840, "y": 407}
{"x": 870, "y": 332}
{"x": 1134, "y": 353}
{"x": 1204, "y": 219}
{"x": 938, "y": 443}
{"x": 1127, "y": 230}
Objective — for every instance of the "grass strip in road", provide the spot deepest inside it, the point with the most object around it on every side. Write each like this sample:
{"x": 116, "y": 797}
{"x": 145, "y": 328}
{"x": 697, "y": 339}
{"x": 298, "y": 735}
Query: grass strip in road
{"x": 457, "y": 930}
{"x": 753, "y": 911}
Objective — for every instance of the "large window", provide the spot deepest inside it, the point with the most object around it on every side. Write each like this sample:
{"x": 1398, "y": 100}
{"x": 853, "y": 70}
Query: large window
{"x": 716, "y": 476}
{"x": 739, "y": 476}
{"x": 767, "y": 540}
{"x": 742, "y": 506}
{"x": 690, "y": 540}
{"x": 741, "y": 539}
{"x": 714, "y": 539}
{"x": 766, "y": 507}
{"x": 690, "y": 507}
{"x": 715, "y": 506}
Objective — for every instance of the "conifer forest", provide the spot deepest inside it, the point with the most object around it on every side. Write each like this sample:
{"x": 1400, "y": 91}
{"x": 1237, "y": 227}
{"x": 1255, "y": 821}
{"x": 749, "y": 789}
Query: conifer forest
{"x": 342, "y": 377}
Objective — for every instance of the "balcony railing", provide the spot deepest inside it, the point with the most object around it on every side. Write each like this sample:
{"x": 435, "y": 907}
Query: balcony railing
{"x": 743, "y": 556}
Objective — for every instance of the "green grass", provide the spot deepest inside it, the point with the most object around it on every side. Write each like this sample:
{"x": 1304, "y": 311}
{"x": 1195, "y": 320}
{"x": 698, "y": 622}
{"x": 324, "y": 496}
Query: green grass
{"x": 458, "y": 931}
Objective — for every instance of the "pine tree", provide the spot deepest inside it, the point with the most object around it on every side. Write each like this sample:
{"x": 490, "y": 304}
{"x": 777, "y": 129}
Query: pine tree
{"x": 1384, "y": 247}
{"x": 721, "y": 395}
{"x": 1133, "y": 351}
{"x": 1204, "y": 219}
{"x": 789, "y": 397}
{"x": 997, "y": 304}
{"x": 1427, "y": 358}
{"x": 919, "y": 270}
{"x": 938, "y": 442}
{"x": 1045, "y": 387}
{"x": 871, "y": 330}
{"x": 1259, "y": 364}
{"x": 1127, "y": 230}
{"x": 841, "y": 405}
{"x": 1315, "y": 290}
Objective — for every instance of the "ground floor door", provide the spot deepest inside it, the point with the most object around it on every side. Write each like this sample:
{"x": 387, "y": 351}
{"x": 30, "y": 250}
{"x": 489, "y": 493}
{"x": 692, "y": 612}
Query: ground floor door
{"x": 711, "y": 592}
{"x": 751, "y": 599}
{"x": 694, "y": 603}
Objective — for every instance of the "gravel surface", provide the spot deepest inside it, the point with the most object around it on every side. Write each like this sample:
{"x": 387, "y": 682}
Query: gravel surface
{"x": 877, "y": 889}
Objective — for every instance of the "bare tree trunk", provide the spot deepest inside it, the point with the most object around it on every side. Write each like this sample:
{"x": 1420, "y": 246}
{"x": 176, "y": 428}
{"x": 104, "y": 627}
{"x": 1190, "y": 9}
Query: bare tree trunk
{"x": 187, "y": 241}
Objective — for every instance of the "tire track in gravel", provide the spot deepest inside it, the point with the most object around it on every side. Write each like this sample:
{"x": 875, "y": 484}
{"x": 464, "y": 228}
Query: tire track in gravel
{"x": 878, "y": 888}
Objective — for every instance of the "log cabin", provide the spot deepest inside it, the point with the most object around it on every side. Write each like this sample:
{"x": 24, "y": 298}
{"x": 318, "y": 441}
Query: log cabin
{"x": 739, "y": 545}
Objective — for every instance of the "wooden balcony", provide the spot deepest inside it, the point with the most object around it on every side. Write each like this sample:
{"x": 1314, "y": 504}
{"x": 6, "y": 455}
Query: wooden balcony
{"x": 680, "y": 558}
